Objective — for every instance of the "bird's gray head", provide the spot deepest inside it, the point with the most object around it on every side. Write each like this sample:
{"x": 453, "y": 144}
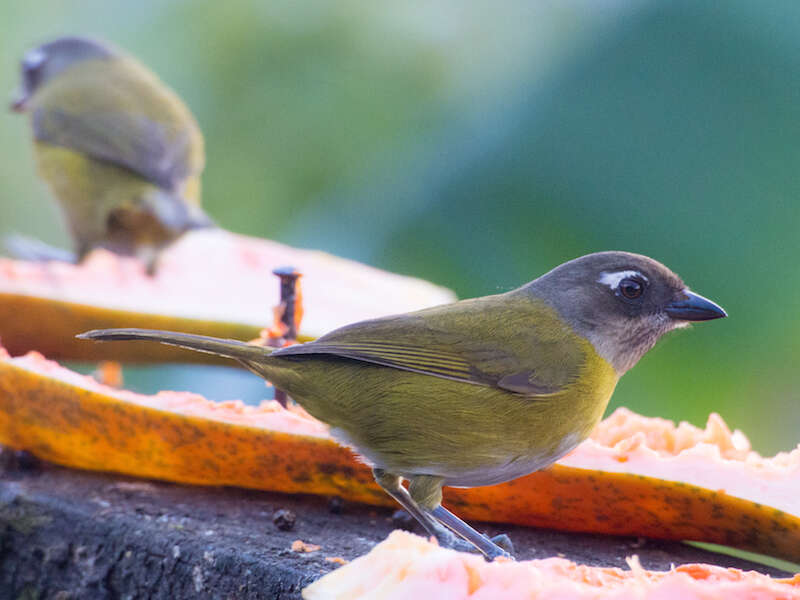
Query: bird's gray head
{"x": 44, "y": 62}
{"x": 621, "y": 302}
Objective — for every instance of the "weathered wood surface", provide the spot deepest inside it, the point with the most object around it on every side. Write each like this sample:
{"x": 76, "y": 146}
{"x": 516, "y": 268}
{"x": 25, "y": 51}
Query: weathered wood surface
{"x": 68, "y": 534}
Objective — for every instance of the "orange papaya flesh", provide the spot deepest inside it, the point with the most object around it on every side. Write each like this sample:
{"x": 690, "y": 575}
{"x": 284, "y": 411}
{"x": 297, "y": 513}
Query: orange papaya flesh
{"x": 210, "y": 282}
{"x": 408, "y": 566}
{"x": 72, "y": 420}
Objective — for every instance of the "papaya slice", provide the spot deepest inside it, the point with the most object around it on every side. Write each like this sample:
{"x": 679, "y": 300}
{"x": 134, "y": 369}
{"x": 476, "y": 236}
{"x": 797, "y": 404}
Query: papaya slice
{"x": 634, "y": 476}
{"x": 408, "y": 566}
{"x": 211, "y": 282}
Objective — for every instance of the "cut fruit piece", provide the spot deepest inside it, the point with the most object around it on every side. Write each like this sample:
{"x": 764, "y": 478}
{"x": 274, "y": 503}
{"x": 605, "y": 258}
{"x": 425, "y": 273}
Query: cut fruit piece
{"x": 407, "y": 566}
{"x": 211, "y": 282}
{"x": 635, "y": 476}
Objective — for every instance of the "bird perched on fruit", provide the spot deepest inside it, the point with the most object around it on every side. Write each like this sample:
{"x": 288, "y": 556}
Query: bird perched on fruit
{"x": 476, "y": 392}
{"x": 121, "y": 152}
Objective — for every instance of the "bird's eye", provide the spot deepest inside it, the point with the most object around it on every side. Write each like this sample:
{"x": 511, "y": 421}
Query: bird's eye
{"x": 631, "y": 288}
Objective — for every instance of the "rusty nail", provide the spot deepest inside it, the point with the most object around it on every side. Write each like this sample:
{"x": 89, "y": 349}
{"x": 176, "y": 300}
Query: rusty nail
{"x": 288, "y": 277}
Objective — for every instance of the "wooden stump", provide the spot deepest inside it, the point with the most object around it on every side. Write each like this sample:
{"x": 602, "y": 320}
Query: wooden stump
{"x": 71, "y": 534}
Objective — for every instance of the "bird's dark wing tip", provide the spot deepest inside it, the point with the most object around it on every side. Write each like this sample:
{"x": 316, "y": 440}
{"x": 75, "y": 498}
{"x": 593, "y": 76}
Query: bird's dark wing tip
{"x": 105, "y": 334}
{"x": 87, "y": 335}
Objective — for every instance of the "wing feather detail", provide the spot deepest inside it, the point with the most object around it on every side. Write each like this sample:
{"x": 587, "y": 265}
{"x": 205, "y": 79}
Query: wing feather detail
{"x": 511, "y": 341}
{"x": 408, "y": 358}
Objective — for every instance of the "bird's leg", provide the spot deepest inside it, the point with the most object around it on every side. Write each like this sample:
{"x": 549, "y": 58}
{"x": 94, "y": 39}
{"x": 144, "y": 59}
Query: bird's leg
{"x": 426, "y": 492}
{"x": 391, "y": 485}
{"x": 149, "y": 255}
{"x": 82, "y": 250}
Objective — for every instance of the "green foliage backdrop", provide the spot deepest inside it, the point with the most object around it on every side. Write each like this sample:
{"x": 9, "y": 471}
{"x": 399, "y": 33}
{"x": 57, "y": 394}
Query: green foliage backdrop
{"x": 478, "y": 145}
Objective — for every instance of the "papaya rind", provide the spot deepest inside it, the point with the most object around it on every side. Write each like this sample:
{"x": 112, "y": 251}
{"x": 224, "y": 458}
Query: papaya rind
{"x": 50, "y": 326}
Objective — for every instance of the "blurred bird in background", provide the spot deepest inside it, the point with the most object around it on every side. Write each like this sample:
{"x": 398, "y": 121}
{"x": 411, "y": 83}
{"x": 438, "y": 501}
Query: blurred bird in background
{"x": 121, "y": 152}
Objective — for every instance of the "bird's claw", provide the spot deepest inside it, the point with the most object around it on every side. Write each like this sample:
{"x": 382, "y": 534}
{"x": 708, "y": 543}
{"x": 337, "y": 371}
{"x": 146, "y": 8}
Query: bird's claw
{"x": 504, "y": 542}
{"x": 450, "y": 540}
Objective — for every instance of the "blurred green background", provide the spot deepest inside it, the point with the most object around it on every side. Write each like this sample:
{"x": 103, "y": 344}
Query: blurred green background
{"x": 480, "y": 144}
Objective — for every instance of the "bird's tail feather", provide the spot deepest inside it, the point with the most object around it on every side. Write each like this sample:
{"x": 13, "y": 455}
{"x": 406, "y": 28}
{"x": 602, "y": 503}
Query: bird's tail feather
{"x": 229, "y": 348}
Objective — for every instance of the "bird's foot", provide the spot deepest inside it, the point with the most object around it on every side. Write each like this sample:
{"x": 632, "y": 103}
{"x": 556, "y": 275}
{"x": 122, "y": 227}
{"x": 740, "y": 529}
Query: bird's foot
{"x": 447, "y": 539}
{"x": 504, "y": 542}
{"x": 500, "y": 545}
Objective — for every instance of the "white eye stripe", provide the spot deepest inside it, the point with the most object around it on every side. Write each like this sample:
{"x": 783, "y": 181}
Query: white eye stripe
{"x": 34, "y": 58}
{"x": 612, "y": 278}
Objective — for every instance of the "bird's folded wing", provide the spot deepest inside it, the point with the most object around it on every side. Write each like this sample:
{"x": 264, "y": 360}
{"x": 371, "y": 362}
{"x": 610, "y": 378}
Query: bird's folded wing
{"x": 129, "y": 141}
{"x": 491, "y": 349}
{"x": 388, "y": 354}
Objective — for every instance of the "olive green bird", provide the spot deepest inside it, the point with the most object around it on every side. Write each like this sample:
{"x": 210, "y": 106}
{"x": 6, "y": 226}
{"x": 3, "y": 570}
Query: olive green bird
{"x": 121, "y": 152}
{"x": 480, "y": 391}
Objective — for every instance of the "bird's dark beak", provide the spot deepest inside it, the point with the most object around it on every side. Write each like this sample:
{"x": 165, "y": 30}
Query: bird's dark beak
{"x": 20, "y": 103}
{"x": 694, "y": 308}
